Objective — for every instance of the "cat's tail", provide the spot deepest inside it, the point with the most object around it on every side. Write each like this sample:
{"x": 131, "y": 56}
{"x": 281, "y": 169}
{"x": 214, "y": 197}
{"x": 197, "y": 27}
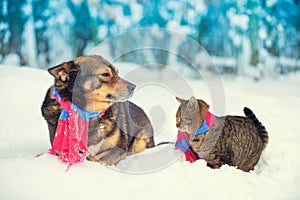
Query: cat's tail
{"x": 263, "y": 134}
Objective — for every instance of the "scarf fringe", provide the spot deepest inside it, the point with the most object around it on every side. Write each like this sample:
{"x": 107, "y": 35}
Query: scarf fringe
{"x": 70, "y": 141}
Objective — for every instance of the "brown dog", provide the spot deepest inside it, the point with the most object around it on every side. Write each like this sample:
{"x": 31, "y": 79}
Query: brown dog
{"x": 93, "y": 84}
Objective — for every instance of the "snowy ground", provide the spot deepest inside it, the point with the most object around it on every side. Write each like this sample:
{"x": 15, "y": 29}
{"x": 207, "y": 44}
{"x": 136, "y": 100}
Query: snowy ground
{"x": 23, "y": 134}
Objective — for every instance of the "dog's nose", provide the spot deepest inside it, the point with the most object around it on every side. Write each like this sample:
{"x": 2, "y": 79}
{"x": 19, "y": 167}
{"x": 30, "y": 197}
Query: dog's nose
{"x": 131, "y": 87}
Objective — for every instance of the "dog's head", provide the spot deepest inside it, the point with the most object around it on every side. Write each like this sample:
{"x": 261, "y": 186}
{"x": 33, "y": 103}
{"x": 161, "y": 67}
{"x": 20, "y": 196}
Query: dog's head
{"x": 92, "y": 81}
{"x": 190, "y": 114}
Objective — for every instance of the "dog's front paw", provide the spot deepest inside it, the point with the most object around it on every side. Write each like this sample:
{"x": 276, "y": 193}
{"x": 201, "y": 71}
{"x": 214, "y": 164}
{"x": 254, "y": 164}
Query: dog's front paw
{"x": 92, "y": 159}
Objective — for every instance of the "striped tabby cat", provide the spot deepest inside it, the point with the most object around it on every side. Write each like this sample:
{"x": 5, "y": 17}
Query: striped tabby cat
{"x": 233, "y": 140}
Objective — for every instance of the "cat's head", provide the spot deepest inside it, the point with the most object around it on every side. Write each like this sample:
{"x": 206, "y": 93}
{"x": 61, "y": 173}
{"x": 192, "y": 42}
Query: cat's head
{"x": 190, "y": 114}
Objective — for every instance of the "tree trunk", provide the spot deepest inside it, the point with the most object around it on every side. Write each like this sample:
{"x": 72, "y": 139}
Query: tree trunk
{"x": 16, "y": 21}
{"x": 42, "y": 42}
{"x": 82, "y": 28}
{"x": 253, "y": 28}
{"x": 4, "y": 47}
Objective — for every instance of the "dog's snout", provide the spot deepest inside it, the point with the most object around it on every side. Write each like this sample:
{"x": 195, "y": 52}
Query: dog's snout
{"x": 131, "y": 87}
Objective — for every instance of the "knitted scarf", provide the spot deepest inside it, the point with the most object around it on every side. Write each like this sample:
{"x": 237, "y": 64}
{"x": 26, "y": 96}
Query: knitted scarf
{"x": 182, "y": 142}
{"x": 70, "y": 141}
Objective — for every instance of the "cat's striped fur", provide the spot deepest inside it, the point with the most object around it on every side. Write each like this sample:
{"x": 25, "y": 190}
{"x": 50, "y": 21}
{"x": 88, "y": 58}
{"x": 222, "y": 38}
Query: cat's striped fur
{"x": 233, "y": 140}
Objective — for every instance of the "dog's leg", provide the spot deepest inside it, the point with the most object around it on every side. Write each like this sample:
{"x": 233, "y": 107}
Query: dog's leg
{"x": 109, "y": 157}
{"x": 150, "y": 142}
{"x": 140, "y": 144}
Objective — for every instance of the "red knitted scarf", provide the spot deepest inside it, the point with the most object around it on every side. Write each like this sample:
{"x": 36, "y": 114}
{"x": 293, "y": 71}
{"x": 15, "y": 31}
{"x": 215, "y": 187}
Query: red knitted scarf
{"x": 70, "y": 141}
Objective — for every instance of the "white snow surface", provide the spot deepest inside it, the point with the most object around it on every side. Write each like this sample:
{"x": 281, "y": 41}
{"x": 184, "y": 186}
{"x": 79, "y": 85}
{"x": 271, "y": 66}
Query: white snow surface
{"x": 24, "y": 134}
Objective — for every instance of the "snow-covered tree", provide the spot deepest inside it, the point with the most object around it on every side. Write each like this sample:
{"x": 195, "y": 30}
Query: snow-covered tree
{"x": 57, "y": 30}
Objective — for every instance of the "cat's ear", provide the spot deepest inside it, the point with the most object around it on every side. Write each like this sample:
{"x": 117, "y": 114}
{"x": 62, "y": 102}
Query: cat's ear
{"x": 193, "y": 104}
{"x": 179, "y": 100}
{"x": 204, "y": 107}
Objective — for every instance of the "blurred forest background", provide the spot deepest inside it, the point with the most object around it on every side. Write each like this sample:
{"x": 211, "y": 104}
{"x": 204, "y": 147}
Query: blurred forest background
{"x": 263, "y": 35}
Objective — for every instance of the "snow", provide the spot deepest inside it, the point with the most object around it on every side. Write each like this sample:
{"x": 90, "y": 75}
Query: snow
{"x": 174, "y": 25}
{"x": 238, "y": 20}
{"x": 271, "y": 3}
{"x": 262, "y": 32}
{"x": 11, "y": 59}
{"x": 158, "y": 173}
{"x": 223, "y": 61}
{"x": 200, "y": 7}
{"x": 29, "y": 46}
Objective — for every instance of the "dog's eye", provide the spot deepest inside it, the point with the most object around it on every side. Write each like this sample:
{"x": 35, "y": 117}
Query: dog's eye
{"x": 105, "y": 74}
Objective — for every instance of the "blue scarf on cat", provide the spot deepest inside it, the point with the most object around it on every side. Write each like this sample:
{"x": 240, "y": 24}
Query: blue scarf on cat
{"x": 182, "y": 142}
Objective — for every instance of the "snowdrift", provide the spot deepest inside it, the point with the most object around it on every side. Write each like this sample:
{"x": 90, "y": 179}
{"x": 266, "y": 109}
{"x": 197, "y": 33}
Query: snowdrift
{"x": 23, "y": 134}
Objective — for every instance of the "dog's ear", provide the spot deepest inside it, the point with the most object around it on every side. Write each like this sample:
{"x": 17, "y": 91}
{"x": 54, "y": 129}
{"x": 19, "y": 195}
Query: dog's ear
{"x": 61, "y": 72}
{"x": 179, "y": 100}
{"x": 203, "y": 107}
{"x": 115, "y": 69}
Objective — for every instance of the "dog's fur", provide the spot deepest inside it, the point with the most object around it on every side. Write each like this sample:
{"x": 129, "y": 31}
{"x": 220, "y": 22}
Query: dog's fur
{"x": 233, "y": 140}
{"x": 93, "y": 84}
